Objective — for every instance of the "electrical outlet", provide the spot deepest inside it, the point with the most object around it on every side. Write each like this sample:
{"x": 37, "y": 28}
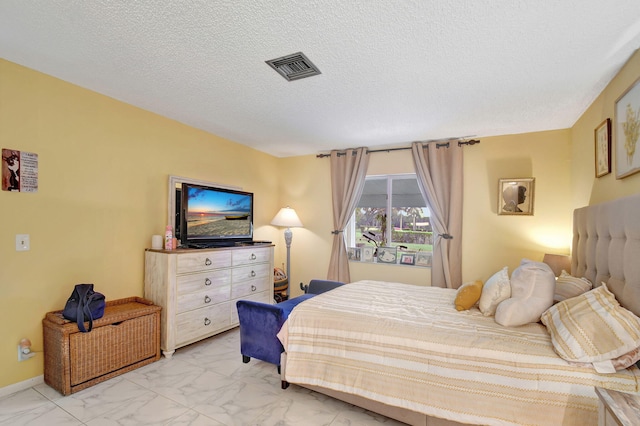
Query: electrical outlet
{"x": 23, "y": 242}
{"x": 24, "y": 350}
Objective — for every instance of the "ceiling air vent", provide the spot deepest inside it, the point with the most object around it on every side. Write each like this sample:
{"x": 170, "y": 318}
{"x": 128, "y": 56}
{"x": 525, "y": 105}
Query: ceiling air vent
{"x": 294, "y": 67}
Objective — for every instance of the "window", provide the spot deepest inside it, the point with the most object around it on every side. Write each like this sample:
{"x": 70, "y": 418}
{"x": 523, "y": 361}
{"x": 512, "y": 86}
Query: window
{"x": 408, "y": 226}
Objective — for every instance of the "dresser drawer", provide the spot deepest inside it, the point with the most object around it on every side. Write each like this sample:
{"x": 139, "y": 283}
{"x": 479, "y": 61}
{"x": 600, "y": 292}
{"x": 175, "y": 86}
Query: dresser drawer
{"x": 192, "y": 283}
{"x": 194, "y": 325}
{"x": 240, "y": 290}
{"x": 250, "y": 272}
{"x": 192, "y": 262}
{"x": 250, "y": 256}
{"x": 190, "y": 301}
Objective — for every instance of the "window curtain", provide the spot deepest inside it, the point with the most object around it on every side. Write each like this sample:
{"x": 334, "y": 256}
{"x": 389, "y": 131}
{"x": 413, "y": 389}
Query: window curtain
{"x": 348, "y": 173}
{"x": 439, "y": 173}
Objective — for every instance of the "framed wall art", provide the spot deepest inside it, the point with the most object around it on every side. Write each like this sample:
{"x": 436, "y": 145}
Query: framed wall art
{"x": 627, "y": 131}
{"x": 603, "y": 148}
{"x": 515, "y": 196}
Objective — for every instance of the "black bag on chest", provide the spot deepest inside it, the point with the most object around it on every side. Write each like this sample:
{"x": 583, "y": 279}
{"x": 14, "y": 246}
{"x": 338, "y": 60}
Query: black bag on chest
{"x": 84, "y": 304}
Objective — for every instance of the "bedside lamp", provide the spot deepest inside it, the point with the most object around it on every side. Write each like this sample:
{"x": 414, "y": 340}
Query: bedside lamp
{"x": 558, "y": 262}
{"x": 287, "y": 218}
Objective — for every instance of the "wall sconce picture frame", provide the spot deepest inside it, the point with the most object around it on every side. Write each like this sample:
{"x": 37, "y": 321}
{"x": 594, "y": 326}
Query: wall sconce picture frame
{"x": 603, "y": 148}
{"x": 627, "y": 131}
{"x": 516, "y": 196}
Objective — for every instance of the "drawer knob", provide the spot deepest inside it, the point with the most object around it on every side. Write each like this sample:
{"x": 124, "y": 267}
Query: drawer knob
{"x": 253, "y": 256}
{"x": 253, "y": 273}
{"x": 254, "y": 288}
{"x": 207, "y": 281}
{"x": 207, "y": 299}
{"x": 207, "y": 261}
{"x": 207, "y": 321}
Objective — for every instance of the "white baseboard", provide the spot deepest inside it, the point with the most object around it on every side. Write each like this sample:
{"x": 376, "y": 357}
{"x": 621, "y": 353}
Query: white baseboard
{"x": 17, "y": 387}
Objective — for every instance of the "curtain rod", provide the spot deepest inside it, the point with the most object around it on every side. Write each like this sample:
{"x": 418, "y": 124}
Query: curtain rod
{"x": 438, "y": 145}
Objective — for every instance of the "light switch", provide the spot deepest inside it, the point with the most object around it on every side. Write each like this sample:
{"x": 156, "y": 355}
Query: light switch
{"x": 22, "y": 242}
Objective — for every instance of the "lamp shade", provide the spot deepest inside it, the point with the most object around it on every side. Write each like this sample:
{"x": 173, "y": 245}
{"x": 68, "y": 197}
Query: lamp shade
{"x": 558, "y": 262}
{"x": 287, "y": 218}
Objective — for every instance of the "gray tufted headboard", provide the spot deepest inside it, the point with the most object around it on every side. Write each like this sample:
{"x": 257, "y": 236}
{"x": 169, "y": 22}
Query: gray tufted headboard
{"x": 606, "y": 247}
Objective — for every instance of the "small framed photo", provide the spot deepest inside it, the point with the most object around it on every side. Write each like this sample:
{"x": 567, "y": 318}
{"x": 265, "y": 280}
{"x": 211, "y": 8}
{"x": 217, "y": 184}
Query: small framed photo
{"x": 603, "y": 148}
{"x": 423, "y": 258}
{"x": 387, "y": 254}
{"x": 407, "y": 258}
{"x": 366, "y": 254}
{"x": 627, "y": 131}
{"x": 515, "y": 196}
{"x": 354, "y": 254}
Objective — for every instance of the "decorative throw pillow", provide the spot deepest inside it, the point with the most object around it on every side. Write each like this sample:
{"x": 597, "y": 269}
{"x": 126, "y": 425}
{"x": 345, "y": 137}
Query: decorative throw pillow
{"x": 496, "y": 289}
{"x": 568, "y": 286}
{"x": 592, "y": 328}
{"x": 532, "y": 287}
{"x": 468, "y": 295}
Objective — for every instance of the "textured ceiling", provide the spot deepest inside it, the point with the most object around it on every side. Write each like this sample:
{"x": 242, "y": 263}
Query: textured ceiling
{"x": 392, "y": 71}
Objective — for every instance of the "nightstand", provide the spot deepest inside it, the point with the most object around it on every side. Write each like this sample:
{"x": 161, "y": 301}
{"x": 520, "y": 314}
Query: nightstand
{"x": 618, "y": 408}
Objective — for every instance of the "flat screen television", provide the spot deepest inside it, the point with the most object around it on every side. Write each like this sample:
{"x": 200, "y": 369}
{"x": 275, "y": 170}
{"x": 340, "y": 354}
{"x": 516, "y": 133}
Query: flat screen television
{"x": 215, "y": 217}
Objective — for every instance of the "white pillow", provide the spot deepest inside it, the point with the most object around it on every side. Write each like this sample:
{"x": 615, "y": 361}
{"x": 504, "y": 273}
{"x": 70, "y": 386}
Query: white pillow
{"x": 593, "y": 328}
{"x": 568, "y": 286}
{"x": 532, "y": 288}
{"x": 495, "y": 290}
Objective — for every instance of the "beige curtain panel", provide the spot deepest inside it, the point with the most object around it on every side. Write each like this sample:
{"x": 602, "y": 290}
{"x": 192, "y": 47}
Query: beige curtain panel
{"x": 439, "y": 173}
{"x": 348, "y": 173}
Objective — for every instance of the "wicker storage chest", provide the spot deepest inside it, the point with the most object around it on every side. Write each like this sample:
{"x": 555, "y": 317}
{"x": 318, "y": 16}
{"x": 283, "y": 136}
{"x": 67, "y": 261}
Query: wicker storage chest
{"x": 125, "y": 338}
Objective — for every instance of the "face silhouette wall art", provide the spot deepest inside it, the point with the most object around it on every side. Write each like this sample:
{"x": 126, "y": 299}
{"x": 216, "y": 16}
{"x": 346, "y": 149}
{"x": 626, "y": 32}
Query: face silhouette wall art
{"x": 515, "y": 196}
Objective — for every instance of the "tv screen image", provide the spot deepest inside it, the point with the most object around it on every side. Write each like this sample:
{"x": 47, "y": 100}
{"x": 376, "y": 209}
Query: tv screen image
{"x": 216, "y": 215}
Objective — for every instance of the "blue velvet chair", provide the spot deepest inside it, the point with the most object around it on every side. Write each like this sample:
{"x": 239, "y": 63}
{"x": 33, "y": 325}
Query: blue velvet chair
{"x": 261, "y": 322}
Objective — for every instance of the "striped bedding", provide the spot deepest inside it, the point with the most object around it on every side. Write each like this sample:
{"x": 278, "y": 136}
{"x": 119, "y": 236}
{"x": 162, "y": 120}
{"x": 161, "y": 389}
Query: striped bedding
{"x": 407, "y": 346}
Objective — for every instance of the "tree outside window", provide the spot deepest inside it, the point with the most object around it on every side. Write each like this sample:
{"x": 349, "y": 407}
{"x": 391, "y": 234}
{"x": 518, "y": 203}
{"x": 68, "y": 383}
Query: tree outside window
{"x": 409, "y": 224}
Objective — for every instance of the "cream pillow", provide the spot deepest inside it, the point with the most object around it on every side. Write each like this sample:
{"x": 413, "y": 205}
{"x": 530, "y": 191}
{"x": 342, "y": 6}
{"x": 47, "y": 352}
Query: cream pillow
{"x": 468, "y": 295}
{"x": 568, "y": 286}
{"x": 532, "y": 288}
{"x": 495, "y": 290}
{"x": 592, "y": 328}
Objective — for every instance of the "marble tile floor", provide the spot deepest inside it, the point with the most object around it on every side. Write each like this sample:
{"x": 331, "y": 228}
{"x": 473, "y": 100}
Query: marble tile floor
{"x": 204, "y": 384}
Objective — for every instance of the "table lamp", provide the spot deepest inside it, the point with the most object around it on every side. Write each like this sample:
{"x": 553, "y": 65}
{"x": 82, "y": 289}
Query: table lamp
{"x": 288, "y": 218}
{"x": 558, "y": 262}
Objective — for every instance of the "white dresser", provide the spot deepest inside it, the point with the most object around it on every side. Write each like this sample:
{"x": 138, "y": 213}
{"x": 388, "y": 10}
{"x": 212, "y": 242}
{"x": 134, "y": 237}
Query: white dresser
{"x": 198, "y": 289}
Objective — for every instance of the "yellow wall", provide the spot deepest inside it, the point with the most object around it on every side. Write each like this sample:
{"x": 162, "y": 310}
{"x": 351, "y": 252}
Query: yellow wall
{"x": 103, "y": 178}
{"x": 585, "y": 187}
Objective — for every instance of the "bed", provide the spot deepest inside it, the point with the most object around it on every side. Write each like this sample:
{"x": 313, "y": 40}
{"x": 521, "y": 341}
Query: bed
{"x": 405, "y": 351}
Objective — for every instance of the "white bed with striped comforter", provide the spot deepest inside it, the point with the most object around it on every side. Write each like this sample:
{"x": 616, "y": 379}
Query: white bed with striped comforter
{"x": 407, "y": 346}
